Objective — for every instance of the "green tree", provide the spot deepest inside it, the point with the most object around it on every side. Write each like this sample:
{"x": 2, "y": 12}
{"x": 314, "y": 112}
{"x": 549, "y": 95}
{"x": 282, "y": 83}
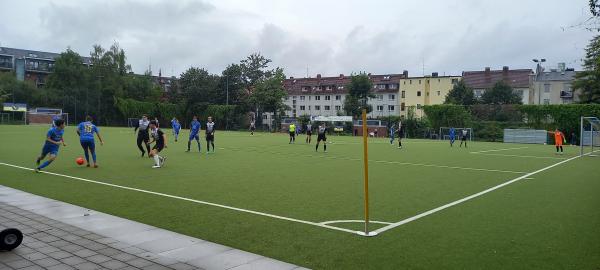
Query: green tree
{"x": 268, "y": 95}
{"x": 461, "y": 94}
{"x": 254, "y": 69}
{"x": 500, "y": 94}
{"x": 196, "y": 86}
{"x": 70, "y": 82}
{"x": 359, "y": 91}
{"x": 588, "y": 81}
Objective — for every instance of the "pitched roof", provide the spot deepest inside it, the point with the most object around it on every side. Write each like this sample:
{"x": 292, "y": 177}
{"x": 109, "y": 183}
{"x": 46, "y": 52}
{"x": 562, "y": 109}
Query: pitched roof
{"x": 336, "y": 85}
{"x": 517, "y": 78}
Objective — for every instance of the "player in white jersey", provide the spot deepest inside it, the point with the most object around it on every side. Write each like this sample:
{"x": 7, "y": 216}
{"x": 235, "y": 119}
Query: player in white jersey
{"x": 143, "y": 135}
{"x": 322, "y": 136}
{"x": 308, "y": 132}
{"x": 210, "y": 135}
{"x": 463, "y": 137}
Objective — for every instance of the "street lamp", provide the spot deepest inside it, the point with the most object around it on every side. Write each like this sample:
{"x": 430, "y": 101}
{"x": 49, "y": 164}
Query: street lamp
{"x": 538, "y": 70}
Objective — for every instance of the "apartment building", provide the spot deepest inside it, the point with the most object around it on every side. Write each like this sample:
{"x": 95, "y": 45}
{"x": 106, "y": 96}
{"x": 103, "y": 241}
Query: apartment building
{"x": 554, "y": 87}
{"x": 518, "y": 79}
{"x": 325, "y": 96}
{"x": 426, "y": 90}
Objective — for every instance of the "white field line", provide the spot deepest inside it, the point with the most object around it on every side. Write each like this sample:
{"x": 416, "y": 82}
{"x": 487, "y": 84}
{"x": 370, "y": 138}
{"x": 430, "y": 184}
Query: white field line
{"x": 498, "y": 150}
{"x": 427, "y": 213}
{"x": 353, "y": 221}
{"x": 520, "y": 156}
{"x": 382, "y": 161}
{"x": 189, "y": 200}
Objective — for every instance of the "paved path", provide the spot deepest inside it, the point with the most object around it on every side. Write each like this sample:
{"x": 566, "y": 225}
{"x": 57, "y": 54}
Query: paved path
{"x": 64, "y": 236}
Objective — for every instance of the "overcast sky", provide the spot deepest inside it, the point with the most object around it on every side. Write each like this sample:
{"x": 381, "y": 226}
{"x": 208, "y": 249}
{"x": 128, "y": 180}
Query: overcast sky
{"x": 321, "y": 36}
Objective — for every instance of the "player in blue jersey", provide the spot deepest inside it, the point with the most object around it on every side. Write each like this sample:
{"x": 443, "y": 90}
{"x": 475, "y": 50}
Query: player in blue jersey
{"x": 54, "y": 138}
{"x": 86, "y": 131}
{"x": 392, "y": 134}
{"x": 194, "y": 133}
{"x": 55, "y": 118}
{"x": 452, "y": 136}
{"x": 176, "y": 128}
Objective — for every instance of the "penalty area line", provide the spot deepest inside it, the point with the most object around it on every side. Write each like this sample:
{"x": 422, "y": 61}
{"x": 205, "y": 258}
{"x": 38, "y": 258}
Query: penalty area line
{"x": 432, "y": 211}
{"x": 188, "y": 199}
{"x": 498, "y": 150}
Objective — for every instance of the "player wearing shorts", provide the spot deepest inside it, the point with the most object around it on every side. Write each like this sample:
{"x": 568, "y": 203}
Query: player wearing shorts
{"x": 86, "y": 131}
{"x": 400, "y": 134}
{"x": 308, "y": 132}
{"x": 463, "y": 137}
{"x": 559, "y": 139}
{"x": 452, "y": 136}
{"x": 322, "y": 136}
{"x": 176, "y": 128}
{"x": 142, "y": 134}
{"x": 210, "y": 135}
{"x": 252, "y": 127}
{"x": 54, "y": 138}
{"x": 392, "y": 134}
{"x": 194, "y": 133}
{"x": 292, "y": 133}
{"x": 160, "y": 142}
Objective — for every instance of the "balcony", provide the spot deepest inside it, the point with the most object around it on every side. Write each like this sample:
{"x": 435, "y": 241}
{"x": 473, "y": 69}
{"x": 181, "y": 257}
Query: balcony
{"x": 566, "y": 94}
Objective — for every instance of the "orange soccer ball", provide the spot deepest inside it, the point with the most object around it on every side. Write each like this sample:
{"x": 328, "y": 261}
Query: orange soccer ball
{"x": 79, "y": 161}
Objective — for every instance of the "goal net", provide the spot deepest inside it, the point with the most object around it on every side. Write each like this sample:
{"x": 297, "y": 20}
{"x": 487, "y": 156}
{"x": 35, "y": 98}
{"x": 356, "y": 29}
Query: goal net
{"x": 458, "y": 132}
{"x": 589, "y": 140}
{"x": 45, "y": 116}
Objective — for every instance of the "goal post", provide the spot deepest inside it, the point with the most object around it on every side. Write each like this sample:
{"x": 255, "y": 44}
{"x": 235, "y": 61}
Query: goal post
{"x": 589, "y": 137}
{"x": 445, "y": 133}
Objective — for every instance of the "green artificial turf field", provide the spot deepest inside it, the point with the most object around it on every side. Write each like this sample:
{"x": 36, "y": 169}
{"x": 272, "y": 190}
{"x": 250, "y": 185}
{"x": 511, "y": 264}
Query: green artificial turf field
{"x": 285, "y": 199}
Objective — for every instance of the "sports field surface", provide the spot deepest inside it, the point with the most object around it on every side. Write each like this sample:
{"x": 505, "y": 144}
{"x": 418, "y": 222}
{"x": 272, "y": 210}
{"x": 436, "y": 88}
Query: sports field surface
{"x": 489, "y": 206}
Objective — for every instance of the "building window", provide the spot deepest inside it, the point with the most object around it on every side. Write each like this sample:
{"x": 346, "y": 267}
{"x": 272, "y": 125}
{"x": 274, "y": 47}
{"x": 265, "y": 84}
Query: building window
{"x": 327, "y": 108}
{"x": 439, "y": 93}
{"x": 478, "y": 93}
{"x": 419, "y": 81}
{"x": 403, "y": 94}
{"x": 392, "y": 97}
{"x": 287, "y": 98}
{"x": 391, "y": 108}
{"x": 380, "y": 108}
{"x": 317, "y": 107}
{"x": 338, "y": 108}
{"x": 546, "y": 101}
{"x": 393, "y": 86}
{"x": 427, "y": 93}
{"x": 410, "y": 82}
{"x": 402, "y": 106}
{"x": 327, "y": 97}
{"x": 309, "y": 107}
{"x": 317, "y": 97}
{"x": 418, "y": 93}
{"x": 293, "y": 97}
{"x": 302, "y": 98}
{"x": 381, "y": 86}
{"x": 338, "y": 97}
{"x": 546, "y": 88}
{"x": 265, "y": 116}
{"x": 380, "y": 97}
{"x": 454, "y": 81}
{"x": 340, "y": 87}
{"x": 302, "y": 107}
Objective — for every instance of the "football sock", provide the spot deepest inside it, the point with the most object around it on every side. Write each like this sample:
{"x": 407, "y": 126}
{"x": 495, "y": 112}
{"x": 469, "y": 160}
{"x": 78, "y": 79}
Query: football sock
{"x": 45, "y": 164}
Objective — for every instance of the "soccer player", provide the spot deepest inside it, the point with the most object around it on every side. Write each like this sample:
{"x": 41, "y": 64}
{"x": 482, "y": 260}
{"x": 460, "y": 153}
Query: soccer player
{"x": 292, "y": 133}
{"x": 86, "y": 131}
{"x": 463, "y": 137}
{"x": 54, "y": 138}
{"x": 452, "y": 136}
{"x": 210, "y": 135}
{"x": 142, "y": 135}
{"x": 392, "y": 134}
{"x": 252, "y": 126}
{"x": 55, "y": 118}
{"x": 559, "y": 139}
{"x": 160, "y": 140}
{"x": 176, "y": 128}
{"x": 194, "y": 133}
{"x": 400, "y": 133}
{"x": 308, "y": 132}
{"x": 322, "y": 136}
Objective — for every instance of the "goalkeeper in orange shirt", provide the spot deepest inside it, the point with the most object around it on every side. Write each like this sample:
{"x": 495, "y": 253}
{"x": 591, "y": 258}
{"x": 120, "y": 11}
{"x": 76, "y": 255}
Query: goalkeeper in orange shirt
{"x": 559, "y": 139}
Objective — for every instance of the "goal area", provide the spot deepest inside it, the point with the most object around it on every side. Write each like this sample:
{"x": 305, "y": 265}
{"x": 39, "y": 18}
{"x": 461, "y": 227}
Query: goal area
{"x": 45, "y": 116}
{"x": 445, "y": 133}
{"x": 589, "y": 139}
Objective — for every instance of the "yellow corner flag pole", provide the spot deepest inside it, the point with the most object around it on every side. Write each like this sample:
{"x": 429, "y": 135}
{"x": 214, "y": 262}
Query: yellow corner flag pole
{"x": 366, "y": 163}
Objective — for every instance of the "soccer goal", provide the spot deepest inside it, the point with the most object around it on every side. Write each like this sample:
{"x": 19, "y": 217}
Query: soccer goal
{"x": 590, "y": 136}
{"x": 4, "y": 118}
{"x": 445, "y": 133}
{"x": 46, "y": 116}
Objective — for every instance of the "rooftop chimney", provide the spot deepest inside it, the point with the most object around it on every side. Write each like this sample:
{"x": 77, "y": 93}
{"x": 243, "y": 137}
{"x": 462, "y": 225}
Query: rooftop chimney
{"x": 405, "y": 73}
{"x": 291, "y": 77}
{"x": 318, "y": 76}
{"x": 434, "y": 74}
{"x": 341, "y": 75}
{"x": 487, "y": 69}
{"x": 505, "y": 68}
